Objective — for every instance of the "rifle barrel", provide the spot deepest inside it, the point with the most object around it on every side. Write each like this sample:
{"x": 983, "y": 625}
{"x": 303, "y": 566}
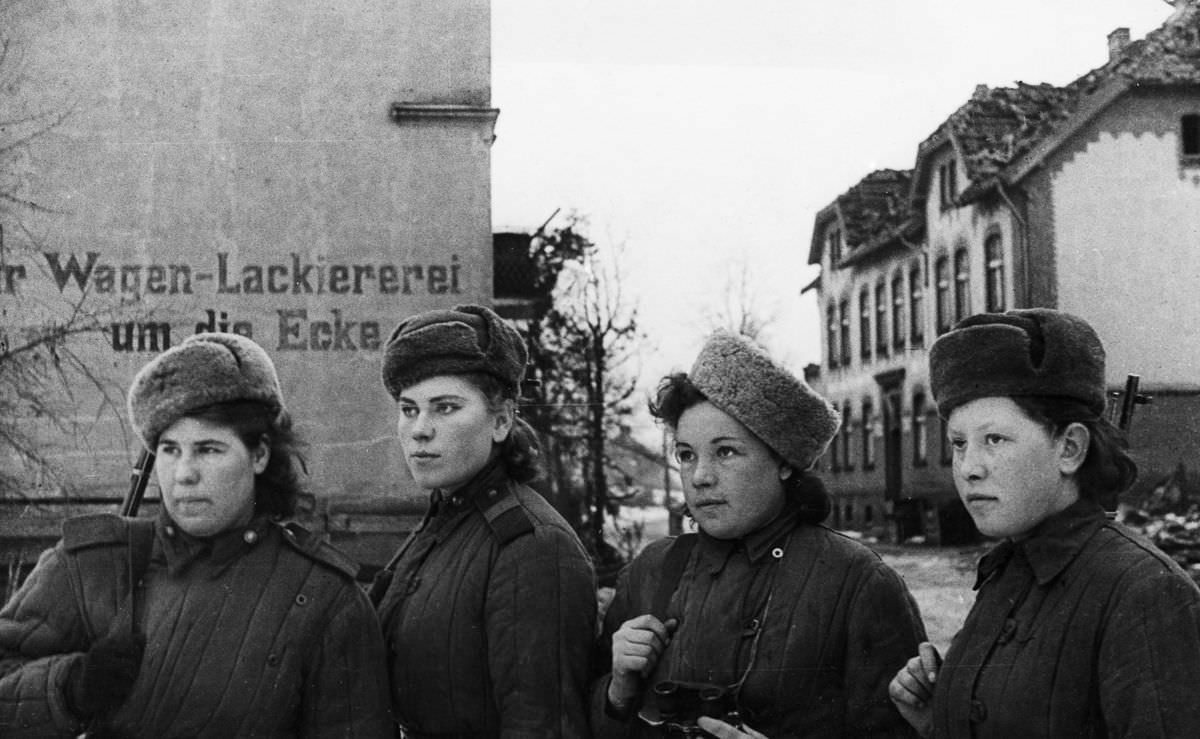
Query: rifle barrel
{"x": 139, "y": 478}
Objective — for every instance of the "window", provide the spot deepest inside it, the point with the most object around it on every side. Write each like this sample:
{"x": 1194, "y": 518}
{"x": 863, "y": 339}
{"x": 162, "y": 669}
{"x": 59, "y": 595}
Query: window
{"x": 920, "y": 431}
{"x": 844, "y": 309}
{"x": 864, "y": 325}
{"x": 868, "y": 514}
{"x": 916, "y": 305}
{"x": 898, "y": 311}
{"x": 868, "y": 435}
{"x": 831, "y": 330}
{"x": 848, "y": 515}
{"x": 881, "y": 309}
{"x": 962, "y": 284}
{"x": 941, "y": 273}
{"x": 847, "y": 460}
{"x": 947, "y": 184}
{"x": 1190, "y": 136}
{"x": 835, "y": 458}
{"x": 994, "y": 254}
{"x": 834, "y": 241}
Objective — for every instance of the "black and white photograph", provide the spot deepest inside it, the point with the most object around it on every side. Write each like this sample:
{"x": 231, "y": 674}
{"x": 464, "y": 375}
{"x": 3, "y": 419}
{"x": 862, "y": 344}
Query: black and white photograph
{"x": 437, "y": 369}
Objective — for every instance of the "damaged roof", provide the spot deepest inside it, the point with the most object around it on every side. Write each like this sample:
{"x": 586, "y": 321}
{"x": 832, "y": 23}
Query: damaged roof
{"x": 1002, "y": 133}
{"x": 1000, "y": 127}
{"x": 876, "y": 207}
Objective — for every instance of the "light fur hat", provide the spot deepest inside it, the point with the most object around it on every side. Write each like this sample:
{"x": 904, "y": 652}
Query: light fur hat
{"x": 738, "y": 377}
{"x": 204, "y": 370}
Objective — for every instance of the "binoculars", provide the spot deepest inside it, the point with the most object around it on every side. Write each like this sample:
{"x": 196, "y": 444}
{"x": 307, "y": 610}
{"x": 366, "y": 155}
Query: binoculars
{"x": 681, "y": 703}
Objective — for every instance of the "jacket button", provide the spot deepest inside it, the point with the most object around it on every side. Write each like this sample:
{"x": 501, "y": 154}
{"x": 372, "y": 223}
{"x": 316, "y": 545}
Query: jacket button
{"x": 250, "y": 536}
{"x": 777, "y": 552}
{"x": 169, "y": 531}
{"x": 978, "y": 711}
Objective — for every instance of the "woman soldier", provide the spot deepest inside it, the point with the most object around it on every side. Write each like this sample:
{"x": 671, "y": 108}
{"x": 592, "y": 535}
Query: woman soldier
{"x": 766, "y": 621}
{"x": 214, "y": 620}
{"x": 1080, "y": 627}
{"x": 490, "y": 606}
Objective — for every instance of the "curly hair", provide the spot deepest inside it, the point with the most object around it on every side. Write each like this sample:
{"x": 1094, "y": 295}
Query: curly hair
{"x": 802, "y": 489}
{"x": 278, "y": 487}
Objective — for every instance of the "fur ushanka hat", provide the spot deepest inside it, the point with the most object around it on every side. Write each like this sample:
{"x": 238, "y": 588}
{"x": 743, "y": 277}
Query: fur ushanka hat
{"x": 1034, "y": 352}
{"x": 204, "y": 370}
{"x": 465, "y": 338}
{"x": 782, "y": 410}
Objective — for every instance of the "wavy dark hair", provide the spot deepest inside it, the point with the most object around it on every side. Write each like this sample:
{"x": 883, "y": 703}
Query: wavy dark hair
{"x": 1107, "y": 470}
{"x": 278, "y": 487}
{"x": 803, "y": 490}
{"x": 521, "y": 452}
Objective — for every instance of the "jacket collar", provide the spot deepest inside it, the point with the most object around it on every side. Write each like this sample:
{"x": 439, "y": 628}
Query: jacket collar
{"x": 447, "y": 509}
{"x": 757, "y": 544}
{"x": 1052, "y": 545}
{"x": 180, "y": 549}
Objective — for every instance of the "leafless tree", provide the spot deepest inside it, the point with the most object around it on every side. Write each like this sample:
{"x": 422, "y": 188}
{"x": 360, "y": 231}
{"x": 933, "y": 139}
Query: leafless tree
{"x": 42, "y": 373}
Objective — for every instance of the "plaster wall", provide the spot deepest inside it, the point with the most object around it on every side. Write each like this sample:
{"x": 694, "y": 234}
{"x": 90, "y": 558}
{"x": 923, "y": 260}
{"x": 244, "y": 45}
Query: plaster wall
{"x": 236, "y": 165}
{"x": 1126, "y": 226}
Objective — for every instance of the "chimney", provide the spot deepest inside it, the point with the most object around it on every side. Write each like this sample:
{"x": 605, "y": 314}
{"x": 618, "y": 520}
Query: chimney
{"x": 1117, "y": 41}
{"x": 981, "y": 92}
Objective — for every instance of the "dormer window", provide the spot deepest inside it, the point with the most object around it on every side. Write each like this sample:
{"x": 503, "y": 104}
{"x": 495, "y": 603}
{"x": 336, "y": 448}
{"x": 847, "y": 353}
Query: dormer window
{"x": 947, "y": 184}
{"x": 834, "y": 243}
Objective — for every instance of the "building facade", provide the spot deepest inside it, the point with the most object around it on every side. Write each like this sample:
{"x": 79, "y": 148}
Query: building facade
{"x": 307, "y": 175}
{"x": 1085, "y": 198}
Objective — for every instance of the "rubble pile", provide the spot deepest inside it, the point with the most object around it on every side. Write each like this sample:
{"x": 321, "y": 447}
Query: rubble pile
{"x": 1177, "y": 534}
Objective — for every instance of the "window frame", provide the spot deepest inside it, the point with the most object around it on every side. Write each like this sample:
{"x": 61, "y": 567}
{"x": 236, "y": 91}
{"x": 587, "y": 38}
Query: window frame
{"x": 944, "y": 299}
{"x": 920, "y": 430}
{"x": 898, "y": 310}
{"x": 882, "y": 346}
{"x": 831, "y": 337}
{"x": 868, "y": 433}
{"x": 916, "y": 305}
{"x": 864, "y": 324}
{"x": 994, "y": 273}
{"x": 962, "y": 283}
{"x": 844, "y": 310}
{"x": 1189, "y": 138}
{"x": 846, "y": 434}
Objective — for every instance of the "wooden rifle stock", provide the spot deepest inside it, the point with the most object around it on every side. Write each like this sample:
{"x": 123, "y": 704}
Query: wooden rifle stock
{"x": 139, "y": 478}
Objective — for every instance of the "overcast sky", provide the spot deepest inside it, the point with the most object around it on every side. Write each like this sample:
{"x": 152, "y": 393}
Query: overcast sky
{"x": 703, "y": 134}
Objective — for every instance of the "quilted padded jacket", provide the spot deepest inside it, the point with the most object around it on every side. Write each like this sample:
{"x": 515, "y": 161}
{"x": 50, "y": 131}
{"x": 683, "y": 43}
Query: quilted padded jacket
{"x": 260, "y": 631}
{"x": 811, "y": 624}
{"x": 489, "y": 618}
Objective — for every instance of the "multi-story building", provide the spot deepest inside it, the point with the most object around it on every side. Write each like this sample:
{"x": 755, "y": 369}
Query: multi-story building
{"x": 1085, "y": 198}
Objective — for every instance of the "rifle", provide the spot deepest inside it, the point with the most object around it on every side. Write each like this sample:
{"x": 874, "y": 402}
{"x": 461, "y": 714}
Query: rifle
{"x": 139, "y": 478}
{"x": 1130, "y": 399}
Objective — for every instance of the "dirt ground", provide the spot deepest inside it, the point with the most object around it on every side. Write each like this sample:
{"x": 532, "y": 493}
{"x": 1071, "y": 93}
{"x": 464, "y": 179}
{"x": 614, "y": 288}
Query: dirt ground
{"x": 940, "y": 580}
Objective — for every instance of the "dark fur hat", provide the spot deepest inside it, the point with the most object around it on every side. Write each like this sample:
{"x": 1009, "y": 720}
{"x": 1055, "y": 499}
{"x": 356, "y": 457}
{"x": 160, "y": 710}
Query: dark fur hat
{"x": 1037, "y": 352}
{"x": 781, "y": 409}
{"x": 465, "y": 338}
{"x": 204, "y": 370}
